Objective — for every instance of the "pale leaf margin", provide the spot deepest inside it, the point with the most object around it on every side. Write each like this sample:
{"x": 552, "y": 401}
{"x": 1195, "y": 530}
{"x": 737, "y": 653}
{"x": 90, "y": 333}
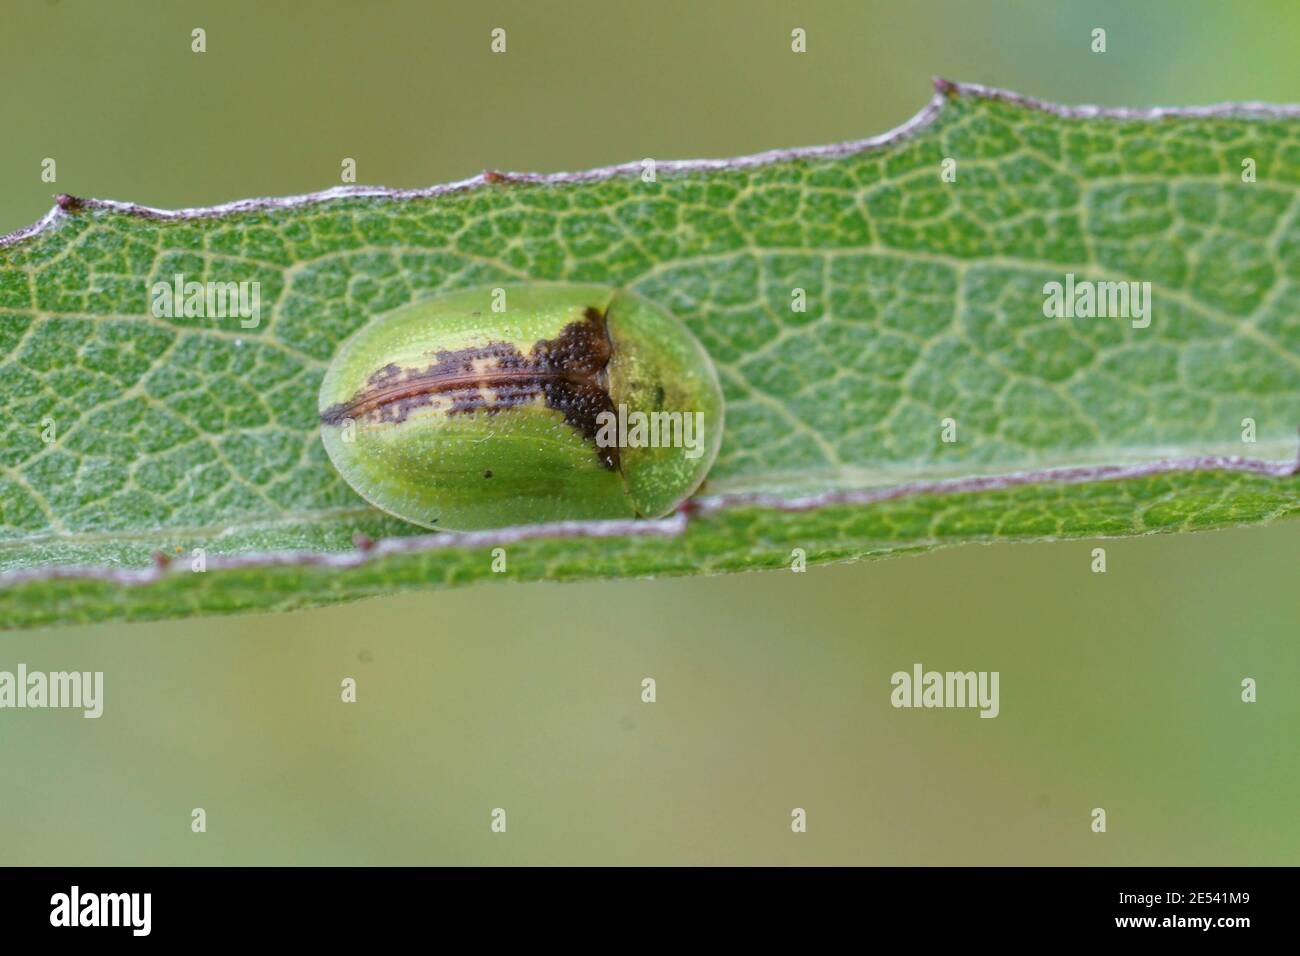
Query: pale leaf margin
{"x": 676, "y": 524}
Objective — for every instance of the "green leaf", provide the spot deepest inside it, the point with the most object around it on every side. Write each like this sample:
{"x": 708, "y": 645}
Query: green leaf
{"x": 925, "y": 301}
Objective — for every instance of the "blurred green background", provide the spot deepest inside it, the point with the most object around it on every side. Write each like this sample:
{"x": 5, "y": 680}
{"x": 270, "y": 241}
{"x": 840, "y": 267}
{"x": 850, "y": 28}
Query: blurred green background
{"x": 1118, "y": 690}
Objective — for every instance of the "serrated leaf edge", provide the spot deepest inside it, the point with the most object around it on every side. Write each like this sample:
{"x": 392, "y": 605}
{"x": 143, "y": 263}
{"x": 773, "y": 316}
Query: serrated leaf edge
{"x": 672, "y": 526}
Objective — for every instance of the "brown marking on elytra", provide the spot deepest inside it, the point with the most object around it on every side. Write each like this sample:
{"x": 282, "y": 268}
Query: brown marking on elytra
{"x": 566, "y": 372}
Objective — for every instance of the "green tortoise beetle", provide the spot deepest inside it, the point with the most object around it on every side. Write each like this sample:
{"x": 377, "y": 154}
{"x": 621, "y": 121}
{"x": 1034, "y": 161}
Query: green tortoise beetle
{"x": 490, "y": 407}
